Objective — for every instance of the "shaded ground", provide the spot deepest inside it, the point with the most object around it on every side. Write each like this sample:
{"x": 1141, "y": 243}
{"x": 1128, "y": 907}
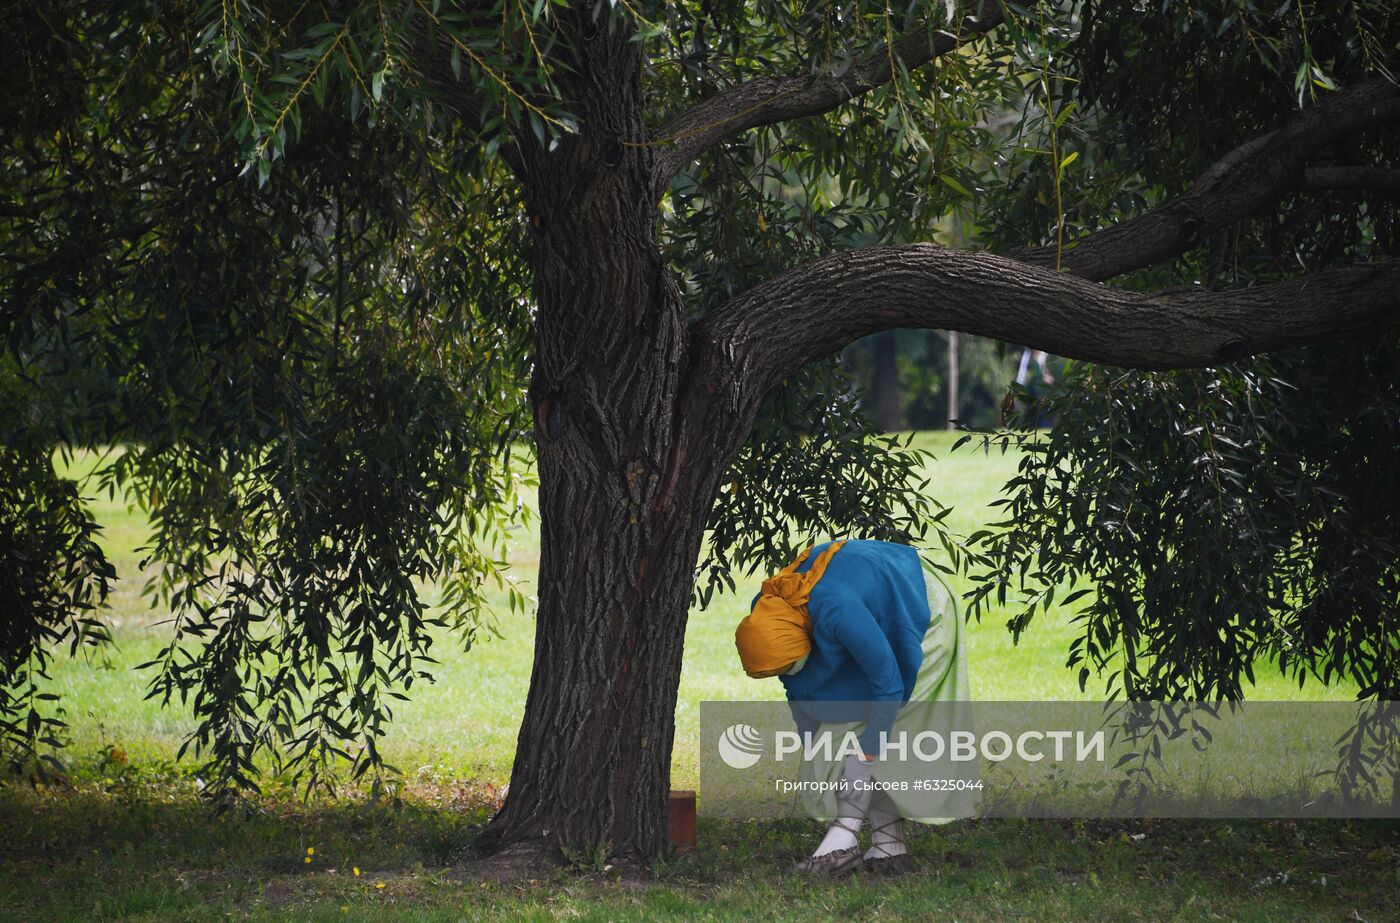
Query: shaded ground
{"x": 144, "y": 848}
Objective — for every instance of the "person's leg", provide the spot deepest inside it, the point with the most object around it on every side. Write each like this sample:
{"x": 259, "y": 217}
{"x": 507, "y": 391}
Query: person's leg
{"x": 886, "y": 830}
{"x": 940, "y": 685}
{"x": 839, "y": 850}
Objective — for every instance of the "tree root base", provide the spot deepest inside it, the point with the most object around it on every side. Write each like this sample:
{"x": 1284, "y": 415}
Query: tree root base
{"x": 539, "y": 860}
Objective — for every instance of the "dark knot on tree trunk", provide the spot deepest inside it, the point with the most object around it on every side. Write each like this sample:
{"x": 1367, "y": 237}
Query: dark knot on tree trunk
{"x": 1232, "y": 351}
{"x": 549, "y": 418}
{"x": 1190, "y": 230}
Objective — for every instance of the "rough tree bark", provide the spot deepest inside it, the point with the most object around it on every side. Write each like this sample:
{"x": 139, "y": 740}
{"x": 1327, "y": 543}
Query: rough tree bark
{"x": 638, "y": 414}
{"x": 623, "y": 486}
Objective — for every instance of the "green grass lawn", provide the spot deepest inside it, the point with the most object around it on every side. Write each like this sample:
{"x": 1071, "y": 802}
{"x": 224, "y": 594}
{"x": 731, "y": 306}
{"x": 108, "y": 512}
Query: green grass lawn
{"x": 131, "y": 840}
{"x": 465, "y": 723}
{"x": 149, "y": 851}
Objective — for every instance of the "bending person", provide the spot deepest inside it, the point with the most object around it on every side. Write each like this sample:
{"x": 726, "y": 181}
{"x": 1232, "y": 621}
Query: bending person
{"x": 854, "y": 630}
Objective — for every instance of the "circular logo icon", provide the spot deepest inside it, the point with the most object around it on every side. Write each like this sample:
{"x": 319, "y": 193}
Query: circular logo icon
{"x": 740, "y": 746}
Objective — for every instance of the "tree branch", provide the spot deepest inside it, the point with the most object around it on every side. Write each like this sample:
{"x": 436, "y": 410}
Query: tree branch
{"x": 432, "y": 52}
{"x": 1367, "y": 179}
{"x": 1245, "y": 181}
{"x": 774, "y": 329}
{"x": 767, "y": 100}
{"x": 753, "y": 341}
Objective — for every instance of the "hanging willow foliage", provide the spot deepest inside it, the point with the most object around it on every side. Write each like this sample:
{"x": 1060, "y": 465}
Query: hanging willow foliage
{"x": 276, "y": 254}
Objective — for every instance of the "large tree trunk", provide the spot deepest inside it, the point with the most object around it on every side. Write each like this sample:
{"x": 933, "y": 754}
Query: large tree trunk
{"x": 592, "y": 763}
{"x": 619, "y": 538}
{"x": 623, "y": 500}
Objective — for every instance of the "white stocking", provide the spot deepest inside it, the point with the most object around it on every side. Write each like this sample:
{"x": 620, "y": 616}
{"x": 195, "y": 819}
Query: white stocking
{"x": 886, "y": 830}
{"x": 852, "y": 803}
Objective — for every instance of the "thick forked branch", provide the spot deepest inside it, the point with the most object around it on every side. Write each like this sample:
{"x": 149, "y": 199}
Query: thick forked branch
{"x": 768, "y": 100}
{"x": 1244, "y": 182}
{"x": 814, "y": 310}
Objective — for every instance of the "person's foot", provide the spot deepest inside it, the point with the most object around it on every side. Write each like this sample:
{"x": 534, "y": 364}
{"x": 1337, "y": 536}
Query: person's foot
{"x": 837, "y": 862}
{"x": 888, "y": 865}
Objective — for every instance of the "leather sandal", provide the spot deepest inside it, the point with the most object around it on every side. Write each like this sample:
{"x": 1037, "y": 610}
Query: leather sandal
{"x": 839, "y": 862}
{"x": 889, "y": 865}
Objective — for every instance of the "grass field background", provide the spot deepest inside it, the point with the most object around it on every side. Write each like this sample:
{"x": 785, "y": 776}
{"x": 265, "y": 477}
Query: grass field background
{"x": 465, "y": 723}
{"x": 131, "y": 840}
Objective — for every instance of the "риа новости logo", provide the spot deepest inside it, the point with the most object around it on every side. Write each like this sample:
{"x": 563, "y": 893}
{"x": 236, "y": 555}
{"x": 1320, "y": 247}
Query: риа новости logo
{"x": 740, "y": 746}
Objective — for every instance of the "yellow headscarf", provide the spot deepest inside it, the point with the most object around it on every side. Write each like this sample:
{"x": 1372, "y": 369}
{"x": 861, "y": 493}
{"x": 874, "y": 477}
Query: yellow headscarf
{"x": 777, "y": 633}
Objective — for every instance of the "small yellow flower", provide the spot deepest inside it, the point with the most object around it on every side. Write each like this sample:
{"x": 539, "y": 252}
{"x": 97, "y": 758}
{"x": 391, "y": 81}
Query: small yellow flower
{"x": 357, "y": 871}
{"x": 307, "y": 860}
{"x": 311, "y": 850}
{"x": 379, "y": 884}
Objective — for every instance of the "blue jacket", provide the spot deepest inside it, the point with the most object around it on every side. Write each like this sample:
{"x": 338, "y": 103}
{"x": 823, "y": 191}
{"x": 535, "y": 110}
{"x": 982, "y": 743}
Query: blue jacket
{"x": 869, "y": 615}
